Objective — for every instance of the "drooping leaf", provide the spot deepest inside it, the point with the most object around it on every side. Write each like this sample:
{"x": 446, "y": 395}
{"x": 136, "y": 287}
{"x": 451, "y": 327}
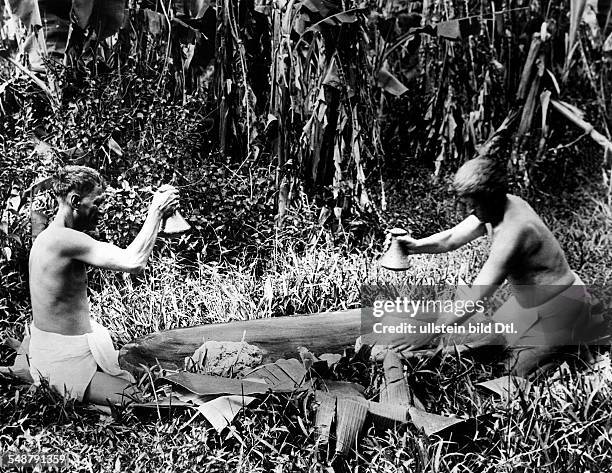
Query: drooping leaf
{"x": 506, "y": 387}
{"x": 395, "y": 389}
{"x": 196, "y": 8}
{"x": 386, "y": 415}
{"x": 155, "y": 22}
{"x": 332, "y": 77}
{"x": 322, "y": 7}
{"x": 330, "y": 11}
{"x": 326, "y": 412}
{"x": 341, "y": 18}
{"x": 390, "y": 83}
{"x": 351, "y": 415}
{"x": 108, "y": 17}
{"x": 81, "y": 12}
{"x": 532, "y": 57}
{"x": 184, "y": 33}
{"x": 27, "y": 11}
{"x": 431, "y": 423}
{"x": 456, "y": 30}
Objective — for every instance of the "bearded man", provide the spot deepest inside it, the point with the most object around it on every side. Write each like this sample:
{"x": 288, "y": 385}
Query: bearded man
{"x": 67, "y": 347}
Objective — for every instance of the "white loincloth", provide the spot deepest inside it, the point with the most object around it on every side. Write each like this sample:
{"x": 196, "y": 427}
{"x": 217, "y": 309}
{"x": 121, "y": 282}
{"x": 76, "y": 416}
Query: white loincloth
{"x": 553, "y": 323}
{"x": 69, "y": 362}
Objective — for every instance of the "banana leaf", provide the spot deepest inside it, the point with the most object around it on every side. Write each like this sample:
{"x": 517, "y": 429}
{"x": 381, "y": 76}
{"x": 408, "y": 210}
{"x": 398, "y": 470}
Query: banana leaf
{"x": 195, "y": 9}
{"x": 108, "y": 17}
{"x": 456, "y": 30}
{"x": 81, "y": 12}
{"x": 27, "y": 11}
{"x": 154, "y": 21}
{"x": 390, "y": 83}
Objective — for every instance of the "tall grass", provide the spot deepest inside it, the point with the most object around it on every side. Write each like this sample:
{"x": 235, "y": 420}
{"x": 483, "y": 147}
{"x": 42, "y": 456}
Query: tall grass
{"x": 320, "y": 278}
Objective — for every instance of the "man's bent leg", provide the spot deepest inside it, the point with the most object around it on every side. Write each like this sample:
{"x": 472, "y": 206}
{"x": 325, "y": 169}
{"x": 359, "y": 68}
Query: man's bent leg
{"x": 104, "y": 388}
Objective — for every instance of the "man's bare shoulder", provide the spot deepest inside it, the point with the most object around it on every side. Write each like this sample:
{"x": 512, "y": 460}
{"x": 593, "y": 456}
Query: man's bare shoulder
{"x": 522, "y": 228}
{"x": 58, "y": 239}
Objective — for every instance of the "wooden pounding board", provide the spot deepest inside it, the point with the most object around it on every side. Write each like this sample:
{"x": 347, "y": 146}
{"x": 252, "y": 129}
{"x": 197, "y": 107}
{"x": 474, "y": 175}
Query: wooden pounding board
{"x": 278, "y": 337}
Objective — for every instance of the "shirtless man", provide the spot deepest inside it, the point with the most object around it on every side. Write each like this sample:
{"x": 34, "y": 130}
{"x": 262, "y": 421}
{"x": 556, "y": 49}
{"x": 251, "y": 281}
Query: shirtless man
{"x": 549, "y": 300}
{"x": 67, "y": 347}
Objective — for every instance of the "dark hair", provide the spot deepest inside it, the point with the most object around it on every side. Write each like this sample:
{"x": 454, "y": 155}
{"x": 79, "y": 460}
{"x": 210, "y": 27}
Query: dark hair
{"x": 80, "y": 179}
{"x": 481, "y": 177}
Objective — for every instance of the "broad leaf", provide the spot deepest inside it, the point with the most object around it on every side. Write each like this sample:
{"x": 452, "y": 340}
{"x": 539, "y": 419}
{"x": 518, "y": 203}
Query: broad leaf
{"x": 432, "y": 423}
{"x": 197, "y": 8}
{"x": 155, "y": 22}
{"x": 108, "y": 17}
{"x": 506, "y": 387}
{"x": 390, "y": 83}
{"x": 458, "y": 29}
{"x": 27, "y": 11}
{"x": 332, "y": 77}
{"x": 184, "y": 33}
{"x": 81, "y": 12}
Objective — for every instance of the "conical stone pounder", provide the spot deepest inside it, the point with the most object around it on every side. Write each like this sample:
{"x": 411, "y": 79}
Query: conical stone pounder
{"x": 175, "y": 224}
{"x": 395, "y": 258}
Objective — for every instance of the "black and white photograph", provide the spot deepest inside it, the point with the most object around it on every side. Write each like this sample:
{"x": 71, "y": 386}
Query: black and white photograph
{"x": 321, "y": 236}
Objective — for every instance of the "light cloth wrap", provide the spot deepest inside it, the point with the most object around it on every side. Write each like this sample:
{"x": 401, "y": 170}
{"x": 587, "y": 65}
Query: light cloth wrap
{"x": 69, "y": 362}
{"x": 553, "y": 323}
{"x": 549, "y": 332}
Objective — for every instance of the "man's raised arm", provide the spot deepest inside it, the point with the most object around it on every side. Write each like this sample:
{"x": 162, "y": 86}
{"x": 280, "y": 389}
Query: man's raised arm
{"x": 492, "y": 275}
{"x": 447, "y": 240}
{"x": 133, "y": 259}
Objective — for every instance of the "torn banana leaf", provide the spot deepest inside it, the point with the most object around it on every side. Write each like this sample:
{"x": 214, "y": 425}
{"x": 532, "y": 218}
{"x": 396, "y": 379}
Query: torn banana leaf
{"x": 390, "y": 83}
{"x": 506, "y": 387}
{"x": 351, "y": 415}
{"x": 395, "y": 389}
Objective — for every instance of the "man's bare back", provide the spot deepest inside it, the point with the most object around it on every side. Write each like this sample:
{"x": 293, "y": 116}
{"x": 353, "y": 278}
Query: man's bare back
{"x": 58, "y": 287}
{"x": 536, "y": 267}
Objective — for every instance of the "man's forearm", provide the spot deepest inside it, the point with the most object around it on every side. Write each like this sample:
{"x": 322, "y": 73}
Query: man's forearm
{"x": 140, "y": 249}
{"x": 436, "y": 243}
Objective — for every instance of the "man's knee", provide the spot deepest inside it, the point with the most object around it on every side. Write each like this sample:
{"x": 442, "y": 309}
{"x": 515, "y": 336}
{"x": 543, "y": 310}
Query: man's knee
{"x": 104, "y": 388}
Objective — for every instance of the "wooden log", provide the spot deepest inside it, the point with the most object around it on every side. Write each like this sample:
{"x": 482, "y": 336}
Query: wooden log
{"x": 278, "y": 337}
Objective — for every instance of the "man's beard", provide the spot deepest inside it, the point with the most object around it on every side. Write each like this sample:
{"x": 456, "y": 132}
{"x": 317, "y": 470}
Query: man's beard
{"x": 89, "y": 225}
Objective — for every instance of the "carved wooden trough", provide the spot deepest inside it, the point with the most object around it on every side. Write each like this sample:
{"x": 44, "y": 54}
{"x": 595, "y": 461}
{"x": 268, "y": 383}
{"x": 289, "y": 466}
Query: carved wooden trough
{"x": 278, "y": 337}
